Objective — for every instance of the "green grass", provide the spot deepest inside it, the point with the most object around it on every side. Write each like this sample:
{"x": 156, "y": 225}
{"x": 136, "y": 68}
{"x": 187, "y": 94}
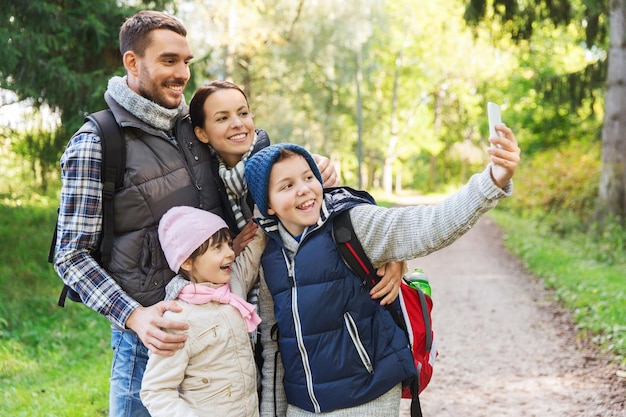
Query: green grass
{"x": 588, "y": 276}
{"x": 53, "y": 361}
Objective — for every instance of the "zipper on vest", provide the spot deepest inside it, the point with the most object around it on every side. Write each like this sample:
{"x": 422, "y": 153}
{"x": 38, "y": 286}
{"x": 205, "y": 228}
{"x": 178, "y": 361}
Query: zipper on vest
{"x": 306, "y": 365}
{"x": 353, "y": 331}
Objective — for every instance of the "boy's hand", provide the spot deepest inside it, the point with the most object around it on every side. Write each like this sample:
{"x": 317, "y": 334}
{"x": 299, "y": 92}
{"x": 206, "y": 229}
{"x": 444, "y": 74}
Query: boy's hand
{"x": 327, "y": 169}
{"x": 149, "y": 324}
{"x": 505, "y": 155}
{"x": 389, "y": 285}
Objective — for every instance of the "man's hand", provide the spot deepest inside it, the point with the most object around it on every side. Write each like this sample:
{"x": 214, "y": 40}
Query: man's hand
{"x": 149, "y": 324}
{"x": 244, "y": 237}
{"x": 505, "y": 155}
{"x": 389, "y": 285}
{"x": 327, "y": 169}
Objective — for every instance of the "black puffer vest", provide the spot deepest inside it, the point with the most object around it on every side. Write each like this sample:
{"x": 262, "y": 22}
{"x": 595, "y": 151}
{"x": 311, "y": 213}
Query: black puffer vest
{"x": 158, "y": 176}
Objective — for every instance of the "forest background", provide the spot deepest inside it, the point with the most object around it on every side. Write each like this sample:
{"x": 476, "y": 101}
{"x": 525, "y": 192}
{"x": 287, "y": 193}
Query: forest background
{"x": 394, "y": 91}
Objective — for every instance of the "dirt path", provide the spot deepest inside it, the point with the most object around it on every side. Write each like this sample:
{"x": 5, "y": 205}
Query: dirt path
{"x": 504, "y": 349}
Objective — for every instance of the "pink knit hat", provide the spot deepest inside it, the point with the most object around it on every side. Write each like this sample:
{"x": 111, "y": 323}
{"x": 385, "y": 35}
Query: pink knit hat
{"x": 183, "y": 229}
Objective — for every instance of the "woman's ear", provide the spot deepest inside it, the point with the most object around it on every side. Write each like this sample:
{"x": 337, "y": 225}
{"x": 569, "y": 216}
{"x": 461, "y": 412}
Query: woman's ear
{"x": 200, "y": 134}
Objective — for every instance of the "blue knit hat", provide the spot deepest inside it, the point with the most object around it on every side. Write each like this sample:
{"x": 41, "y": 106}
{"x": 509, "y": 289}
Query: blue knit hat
{"x": 259, "y": 166}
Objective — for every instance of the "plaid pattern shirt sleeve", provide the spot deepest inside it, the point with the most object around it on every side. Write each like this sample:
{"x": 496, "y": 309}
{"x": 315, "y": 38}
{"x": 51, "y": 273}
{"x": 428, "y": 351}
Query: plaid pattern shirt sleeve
{"x": 79, "y": 228}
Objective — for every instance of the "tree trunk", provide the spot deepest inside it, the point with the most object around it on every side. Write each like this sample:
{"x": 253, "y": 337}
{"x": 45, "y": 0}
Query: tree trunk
{"x": 390, "y": 157}
{"x": 612, "y": 191}
{"x": 359, "y": 119}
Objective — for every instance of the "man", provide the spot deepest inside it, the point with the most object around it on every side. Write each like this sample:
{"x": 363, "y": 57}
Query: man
{"x": 166, "y": 166}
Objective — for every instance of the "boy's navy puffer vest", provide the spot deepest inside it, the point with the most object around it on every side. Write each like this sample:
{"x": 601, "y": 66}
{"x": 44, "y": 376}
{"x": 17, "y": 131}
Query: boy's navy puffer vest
{"x": 158, "y": 176}
{"x": 339, "y": 347}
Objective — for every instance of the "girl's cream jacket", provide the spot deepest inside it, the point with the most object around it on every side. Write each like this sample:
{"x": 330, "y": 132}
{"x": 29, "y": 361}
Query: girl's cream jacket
{"x": 214, "y": 374}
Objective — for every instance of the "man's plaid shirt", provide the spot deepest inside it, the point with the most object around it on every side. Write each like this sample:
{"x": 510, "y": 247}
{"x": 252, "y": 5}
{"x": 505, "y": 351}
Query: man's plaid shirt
{"x": 79, "y": 228}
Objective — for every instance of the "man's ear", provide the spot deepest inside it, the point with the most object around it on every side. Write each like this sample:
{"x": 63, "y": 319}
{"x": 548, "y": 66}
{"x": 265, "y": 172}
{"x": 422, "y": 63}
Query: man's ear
{"x": 200, "y": 134}
{"x": 130, "y": 62}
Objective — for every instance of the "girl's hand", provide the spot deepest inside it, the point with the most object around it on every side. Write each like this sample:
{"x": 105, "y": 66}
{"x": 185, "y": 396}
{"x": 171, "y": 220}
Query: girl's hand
{"x": 244, "y": 237}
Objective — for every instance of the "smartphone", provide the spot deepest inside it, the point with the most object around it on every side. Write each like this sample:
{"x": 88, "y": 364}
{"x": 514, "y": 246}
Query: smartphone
{"x": 495, "y": 117}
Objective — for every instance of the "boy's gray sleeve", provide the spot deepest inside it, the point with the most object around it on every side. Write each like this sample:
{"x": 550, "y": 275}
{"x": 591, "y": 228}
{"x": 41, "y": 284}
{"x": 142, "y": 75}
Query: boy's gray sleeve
{"x": 404, "y": 233}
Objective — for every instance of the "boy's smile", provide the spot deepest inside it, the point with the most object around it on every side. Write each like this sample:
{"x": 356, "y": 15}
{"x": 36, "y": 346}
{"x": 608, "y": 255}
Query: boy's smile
{"x": 295, "y": 194}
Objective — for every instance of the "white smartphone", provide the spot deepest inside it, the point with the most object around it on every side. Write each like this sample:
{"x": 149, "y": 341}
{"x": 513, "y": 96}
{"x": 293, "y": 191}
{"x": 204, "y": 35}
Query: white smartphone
{"x": 495, "y": 117}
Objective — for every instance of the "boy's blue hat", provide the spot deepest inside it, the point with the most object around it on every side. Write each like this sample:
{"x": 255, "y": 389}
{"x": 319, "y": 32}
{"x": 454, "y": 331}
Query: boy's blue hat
{"x": 259, "y": 166}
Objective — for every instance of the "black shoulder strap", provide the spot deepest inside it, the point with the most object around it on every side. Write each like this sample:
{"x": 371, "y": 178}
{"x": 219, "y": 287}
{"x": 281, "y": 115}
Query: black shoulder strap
{"x": 351, "y": 250}
{"x": 112, "y": 170}
{"x": 355, "y": 257}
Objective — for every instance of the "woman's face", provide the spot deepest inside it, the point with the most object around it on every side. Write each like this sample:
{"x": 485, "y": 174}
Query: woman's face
{"x": 229, "y": 125}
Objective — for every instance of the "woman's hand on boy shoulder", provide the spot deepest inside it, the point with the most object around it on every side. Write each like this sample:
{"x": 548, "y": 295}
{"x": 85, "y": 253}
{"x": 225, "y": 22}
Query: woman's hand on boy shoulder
{"x": 505, "y": 155}
{"x": 327, "y": 169}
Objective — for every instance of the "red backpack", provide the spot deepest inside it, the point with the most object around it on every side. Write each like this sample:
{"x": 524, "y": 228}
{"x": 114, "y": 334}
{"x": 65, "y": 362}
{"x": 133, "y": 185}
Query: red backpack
{"x": 414, "y": 316}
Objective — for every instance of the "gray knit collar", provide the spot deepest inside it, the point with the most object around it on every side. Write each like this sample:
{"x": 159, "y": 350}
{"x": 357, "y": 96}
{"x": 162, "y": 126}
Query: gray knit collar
{"x": 145, "y": 110}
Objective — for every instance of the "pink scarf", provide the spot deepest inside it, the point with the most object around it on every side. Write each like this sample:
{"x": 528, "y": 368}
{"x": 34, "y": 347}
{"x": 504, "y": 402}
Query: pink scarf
{"x": 200, "y": 294}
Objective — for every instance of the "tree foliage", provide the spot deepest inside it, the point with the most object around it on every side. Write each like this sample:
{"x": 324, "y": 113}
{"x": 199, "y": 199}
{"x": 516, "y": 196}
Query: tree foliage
{"x": 424, "y": 76}
{"x": 598, "y": 25}
{"x": 61, "y": 52}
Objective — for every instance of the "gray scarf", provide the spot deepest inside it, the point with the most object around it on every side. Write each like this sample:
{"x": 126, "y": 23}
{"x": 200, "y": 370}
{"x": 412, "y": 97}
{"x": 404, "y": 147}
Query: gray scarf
{"x": 145, "y": 110}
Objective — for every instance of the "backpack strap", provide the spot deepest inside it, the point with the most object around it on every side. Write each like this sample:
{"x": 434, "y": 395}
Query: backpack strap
{"x": 112, "y": 172}
{"x": 113, "y": 166}
{"x": 351, "y": 250}
{"x": 355, "y": 257}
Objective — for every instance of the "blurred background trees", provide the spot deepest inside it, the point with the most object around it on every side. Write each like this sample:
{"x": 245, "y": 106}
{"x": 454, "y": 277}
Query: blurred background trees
{"x": 394, "y": 91}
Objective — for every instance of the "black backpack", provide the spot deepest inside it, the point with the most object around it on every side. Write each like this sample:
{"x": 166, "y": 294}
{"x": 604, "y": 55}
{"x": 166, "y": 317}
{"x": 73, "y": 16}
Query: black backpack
{"x": 112, "y": 176}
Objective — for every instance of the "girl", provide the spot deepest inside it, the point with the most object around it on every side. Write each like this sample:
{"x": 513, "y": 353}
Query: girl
{"x": 214, "y": 373}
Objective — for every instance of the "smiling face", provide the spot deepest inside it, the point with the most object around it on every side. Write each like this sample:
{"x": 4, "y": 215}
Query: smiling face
{"x": 294, "y": 194}
{"x": 161, "y": 74}
{"x": 228, "y": 124}
{"x": 213, "y": 265}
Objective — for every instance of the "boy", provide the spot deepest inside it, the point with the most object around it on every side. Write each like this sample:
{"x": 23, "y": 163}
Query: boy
{"x": 341, "y": 352}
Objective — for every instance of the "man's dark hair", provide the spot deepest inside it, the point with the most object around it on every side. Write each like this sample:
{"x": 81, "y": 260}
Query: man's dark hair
{"x": 135, "y": 32}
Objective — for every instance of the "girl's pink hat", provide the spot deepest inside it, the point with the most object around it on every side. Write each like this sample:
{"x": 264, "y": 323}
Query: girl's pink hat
{"x": 183, "y": 229}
